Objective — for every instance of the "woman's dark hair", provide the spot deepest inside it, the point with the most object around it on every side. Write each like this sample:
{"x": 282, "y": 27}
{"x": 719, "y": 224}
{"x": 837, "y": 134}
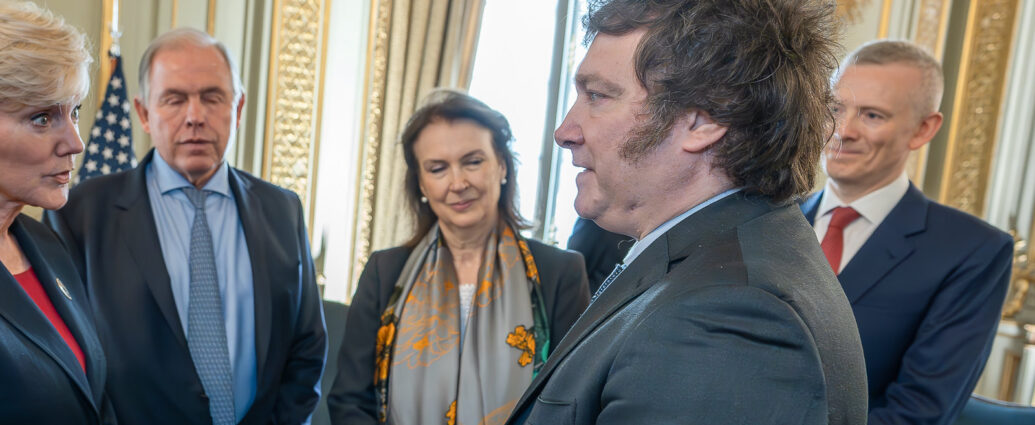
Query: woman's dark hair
{"x": 451, "y": 106}
{"x": 759, "y": 67}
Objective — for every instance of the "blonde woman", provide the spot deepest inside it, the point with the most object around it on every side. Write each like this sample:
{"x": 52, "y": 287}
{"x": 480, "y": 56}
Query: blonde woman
{"x": 52, "y": 368}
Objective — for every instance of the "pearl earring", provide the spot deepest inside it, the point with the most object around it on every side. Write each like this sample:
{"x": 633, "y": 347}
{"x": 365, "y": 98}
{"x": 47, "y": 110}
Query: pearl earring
{"x": 423, "y": 199}
{"x": 504, "y": 181}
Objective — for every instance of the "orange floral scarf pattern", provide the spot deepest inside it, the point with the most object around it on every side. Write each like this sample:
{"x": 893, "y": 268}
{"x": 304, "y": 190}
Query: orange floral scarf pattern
{"x": 419, "y": 336}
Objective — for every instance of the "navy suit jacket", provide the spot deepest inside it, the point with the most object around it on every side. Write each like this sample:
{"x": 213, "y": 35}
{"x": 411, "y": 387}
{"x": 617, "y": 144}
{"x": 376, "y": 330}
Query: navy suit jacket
{"x": 41, "y": 381}
{"x": 927, "y": 289}
{"x": 109, "y": 228}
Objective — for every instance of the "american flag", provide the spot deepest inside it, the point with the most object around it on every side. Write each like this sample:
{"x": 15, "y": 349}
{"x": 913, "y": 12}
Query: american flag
{"x": 110, "y": 149}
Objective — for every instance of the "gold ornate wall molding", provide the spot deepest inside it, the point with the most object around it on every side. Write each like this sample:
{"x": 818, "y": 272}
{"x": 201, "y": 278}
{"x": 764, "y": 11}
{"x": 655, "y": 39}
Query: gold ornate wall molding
{"x": 931, "y": 28}
{"x": 979, "y": 98}
{"x": 851, "y": 10}
{"x": 294, "y": 99}
{"x": 932, "y": 19}
{"x": 373, "y": 117}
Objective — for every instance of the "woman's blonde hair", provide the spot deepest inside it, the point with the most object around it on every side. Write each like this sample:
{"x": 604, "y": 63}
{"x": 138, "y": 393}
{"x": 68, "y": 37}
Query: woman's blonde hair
{"x": 43, "y": 60}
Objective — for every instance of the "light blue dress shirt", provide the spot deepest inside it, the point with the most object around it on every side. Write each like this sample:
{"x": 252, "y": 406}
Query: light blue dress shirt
{"x": 174, "y": 216}
{"x": 642, "y": 244}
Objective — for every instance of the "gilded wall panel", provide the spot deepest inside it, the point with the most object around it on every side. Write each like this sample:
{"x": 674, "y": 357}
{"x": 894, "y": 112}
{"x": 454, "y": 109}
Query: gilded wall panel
{"x": 296, "y": 59}
{"x": 932, "y": 18}
{"x": 979, "y": 97}
{"x": 377, "y": 60}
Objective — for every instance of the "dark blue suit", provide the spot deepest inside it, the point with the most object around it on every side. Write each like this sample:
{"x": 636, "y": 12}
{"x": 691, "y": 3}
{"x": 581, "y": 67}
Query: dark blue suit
{"x": 926, "y": 288}
{"x": 41, "y": 381}
{"x": 109, "y": 228}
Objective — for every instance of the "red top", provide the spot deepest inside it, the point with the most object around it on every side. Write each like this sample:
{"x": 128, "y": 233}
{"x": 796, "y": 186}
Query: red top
{"x": 31, "y": 284}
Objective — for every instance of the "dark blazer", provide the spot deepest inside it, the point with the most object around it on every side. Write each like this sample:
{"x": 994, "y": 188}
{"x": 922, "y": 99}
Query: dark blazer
{"x": 109, "y": 228}
{"x": 352, "y": 401}
{"x": 927, "y": 289}
{"x": 41, "y": 381}
{"x": 601, "y": 249}
{"x": 731, "y": 317}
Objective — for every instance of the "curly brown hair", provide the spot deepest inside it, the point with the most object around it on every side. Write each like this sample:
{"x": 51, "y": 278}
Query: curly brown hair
{"x": 759, "y": 67}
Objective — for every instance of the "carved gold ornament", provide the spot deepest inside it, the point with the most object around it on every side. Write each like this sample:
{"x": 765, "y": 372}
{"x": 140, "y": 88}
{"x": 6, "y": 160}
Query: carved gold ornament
{"x": 851, "y": 10}
{"x": 296, "y": 68}
{"x": 979, "y": 95}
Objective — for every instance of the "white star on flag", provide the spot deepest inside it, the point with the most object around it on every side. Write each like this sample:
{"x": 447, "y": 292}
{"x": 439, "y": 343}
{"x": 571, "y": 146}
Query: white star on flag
{"x": 111, "y": 142}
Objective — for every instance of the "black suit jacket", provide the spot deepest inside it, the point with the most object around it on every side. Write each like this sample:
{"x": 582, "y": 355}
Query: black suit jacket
{"x": 601, "y": 249}
{"x": 109, "y": 228}
{"x": 352, "y": 400}
{"x": 731, "y": 317}
{"x": 927, "y": 289}
{"x": 41, "y": 381}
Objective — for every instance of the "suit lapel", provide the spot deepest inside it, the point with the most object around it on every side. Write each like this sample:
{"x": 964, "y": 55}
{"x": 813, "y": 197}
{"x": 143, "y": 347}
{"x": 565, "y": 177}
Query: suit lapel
{"x": 811, "y": 206}
{"x": 626, "y": 287}
{"x": 19, "y": 309}
{"x": 650, "y": 267}
{"x": 140, "y": 236}
{"x": 889, "y": 244}
{"x": 256, "y": 235}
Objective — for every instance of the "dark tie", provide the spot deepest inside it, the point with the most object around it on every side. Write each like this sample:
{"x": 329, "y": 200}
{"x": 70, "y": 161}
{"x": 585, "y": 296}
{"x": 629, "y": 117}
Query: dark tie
{"x": 607, "y": 282}
{"x": 206, "y": 328}
{"x": 834, "y": 240}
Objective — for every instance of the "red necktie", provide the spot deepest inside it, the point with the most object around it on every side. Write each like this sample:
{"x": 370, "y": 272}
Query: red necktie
{"x": 834, "y": 240}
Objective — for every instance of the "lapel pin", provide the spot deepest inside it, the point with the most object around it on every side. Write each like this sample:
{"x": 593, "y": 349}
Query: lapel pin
{"x": 63, "y": 289}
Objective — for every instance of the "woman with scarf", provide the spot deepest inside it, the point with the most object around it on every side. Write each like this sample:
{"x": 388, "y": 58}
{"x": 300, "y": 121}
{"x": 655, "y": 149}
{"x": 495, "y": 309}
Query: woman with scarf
{"x": 451, "y": 327}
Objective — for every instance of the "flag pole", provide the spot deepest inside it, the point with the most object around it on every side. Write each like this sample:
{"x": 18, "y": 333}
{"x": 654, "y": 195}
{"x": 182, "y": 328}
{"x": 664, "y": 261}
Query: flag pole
{"x": 109, "y": 43}
{"x": 110, "y": 144}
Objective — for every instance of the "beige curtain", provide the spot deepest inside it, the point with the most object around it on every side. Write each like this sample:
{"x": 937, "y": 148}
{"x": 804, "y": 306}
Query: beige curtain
{"x": 415, "y": 46}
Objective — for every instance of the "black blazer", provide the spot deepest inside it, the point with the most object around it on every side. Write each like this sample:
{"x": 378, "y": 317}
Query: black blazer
{"x": 352, "y": 401}
{"x": 41, "y": 381}
{"x": 927, "y": 289}
{"x": 601, "y": 249}
{"x": 731, "y": 317}
{"x": 109, "y": 228}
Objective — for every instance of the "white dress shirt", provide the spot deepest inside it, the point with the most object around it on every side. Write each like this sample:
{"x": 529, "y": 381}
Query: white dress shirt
{"x": 872, "y": 208}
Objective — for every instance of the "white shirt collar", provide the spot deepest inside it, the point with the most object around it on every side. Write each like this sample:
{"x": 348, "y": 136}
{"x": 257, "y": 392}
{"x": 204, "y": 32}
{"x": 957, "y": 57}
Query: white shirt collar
{"x": 642, "y": 244}
{"x": 874, "y": 206}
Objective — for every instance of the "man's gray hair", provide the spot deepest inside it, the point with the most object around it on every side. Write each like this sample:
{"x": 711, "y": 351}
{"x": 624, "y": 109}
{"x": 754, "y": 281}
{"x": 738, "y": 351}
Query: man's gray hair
{"x": 180, "y": 37}
{"x": 885, "y": 52}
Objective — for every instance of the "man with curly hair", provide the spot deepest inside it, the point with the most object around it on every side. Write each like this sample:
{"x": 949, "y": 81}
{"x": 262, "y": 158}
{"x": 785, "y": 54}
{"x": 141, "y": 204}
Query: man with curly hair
{"x": 698, "y": 123}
